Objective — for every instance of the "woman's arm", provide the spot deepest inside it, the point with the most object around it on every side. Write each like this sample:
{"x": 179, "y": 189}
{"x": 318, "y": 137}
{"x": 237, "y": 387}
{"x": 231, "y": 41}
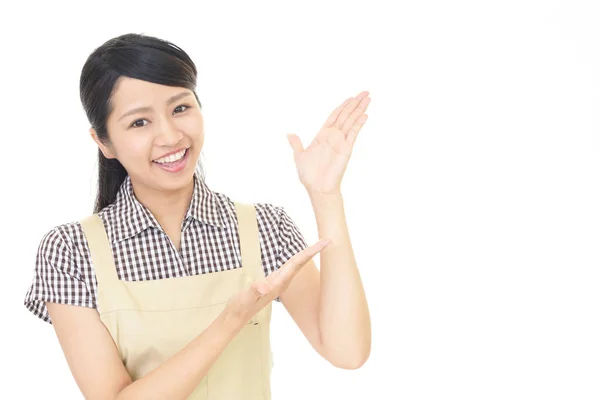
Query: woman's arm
{"x": 100, "y": 374}
{"x": 330, "y": 306}
{"x": 344, "y": 319}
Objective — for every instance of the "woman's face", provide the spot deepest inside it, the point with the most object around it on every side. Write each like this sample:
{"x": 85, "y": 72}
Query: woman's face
{"x": 171, "y": 120}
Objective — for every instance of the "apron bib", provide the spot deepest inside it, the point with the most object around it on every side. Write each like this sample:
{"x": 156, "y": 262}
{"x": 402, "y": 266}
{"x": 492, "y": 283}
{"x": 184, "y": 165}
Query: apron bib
{"x": 152, "y": 320}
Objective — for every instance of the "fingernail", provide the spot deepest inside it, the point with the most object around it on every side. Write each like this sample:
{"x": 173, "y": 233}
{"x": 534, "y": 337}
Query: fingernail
{"x": 325, "y": 242}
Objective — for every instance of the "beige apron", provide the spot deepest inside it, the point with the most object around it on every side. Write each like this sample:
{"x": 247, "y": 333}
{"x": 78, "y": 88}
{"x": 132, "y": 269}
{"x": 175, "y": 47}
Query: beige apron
{"x": 152, "y": 320}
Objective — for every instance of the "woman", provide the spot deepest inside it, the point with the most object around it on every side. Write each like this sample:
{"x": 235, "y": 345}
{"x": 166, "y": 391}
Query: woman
{"x": 166, "y": 290}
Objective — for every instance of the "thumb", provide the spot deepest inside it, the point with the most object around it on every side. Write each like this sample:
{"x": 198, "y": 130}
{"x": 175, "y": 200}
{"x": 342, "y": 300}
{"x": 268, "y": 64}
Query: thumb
{"x": 261, "y": 288}
{"x": 295, "y": 142}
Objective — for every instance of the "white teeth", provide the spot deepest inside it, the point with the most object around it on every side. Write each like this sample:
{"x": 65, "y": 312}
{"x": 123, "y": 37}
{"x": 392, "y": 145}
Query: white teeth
{"x": 171, "y": 158}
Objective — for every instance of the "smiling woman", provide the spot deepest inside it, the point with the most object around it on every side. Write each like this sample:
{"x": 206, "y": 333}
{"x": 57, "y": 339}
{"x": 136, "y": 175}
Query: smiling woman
{"x": 118, "y": 83}
{"x": 143, "y": 137}
{"x": 169, "y": 285}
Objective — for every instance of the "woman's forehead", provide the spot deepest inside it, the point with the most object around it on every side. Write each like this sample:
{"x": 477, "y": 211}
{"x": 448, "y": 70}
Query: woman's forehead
{"x": 131, "y": 92}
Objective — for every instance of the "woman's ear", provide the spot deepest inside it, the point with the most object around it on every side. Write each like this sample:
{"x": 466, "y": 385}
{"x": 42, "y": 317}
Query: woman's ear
{"x": 104, "y": 149}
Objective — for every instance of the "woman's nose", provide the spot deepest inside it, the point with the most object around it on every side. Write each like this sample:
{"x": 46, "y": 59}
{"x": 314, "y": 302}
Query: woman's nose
{"x": 168, "y": 133}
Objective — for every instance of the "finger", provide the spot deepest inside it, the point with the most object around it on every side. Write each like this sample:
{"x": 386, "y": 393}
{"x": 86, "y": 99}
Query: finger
{"x": 353, "y": 132}
{"x": 262, "y": 287}
{"x": 249, "y": 297}
{"x": 298, "y": 260}
{"x": 360, "y": 110}
{"x": 296, "y": 143}
{"x": 333, "y": 116}
{"x": 351, "y": 106}
{"x": 257, "y": 291}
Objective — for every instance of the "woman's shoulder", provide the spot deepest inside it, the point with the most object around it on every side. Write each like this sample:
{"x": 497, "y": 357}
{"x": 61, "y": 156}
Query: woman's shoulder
{"x": 60, "y": 274}
{"x": 64, "y": 248}
{"x": 67, "y": 236}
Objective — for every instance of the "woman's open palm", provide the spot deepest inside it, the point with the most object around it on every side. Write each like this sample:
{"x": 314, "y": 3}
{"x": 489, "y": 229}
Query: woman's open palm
{"x": 322, "y": 164}
{"x": 246, "y": 303}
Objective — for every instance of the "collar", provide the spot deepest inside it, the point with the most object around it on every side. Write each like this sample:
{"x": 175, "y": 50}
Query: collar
{"x": 133, "y": 217}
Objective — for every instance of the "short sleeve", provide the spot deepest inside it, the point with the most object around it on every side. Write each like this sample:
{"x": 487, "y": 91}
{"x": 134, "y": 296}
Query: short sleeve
{"x": 56, "y": 278}
{"x": 289, "y": 239}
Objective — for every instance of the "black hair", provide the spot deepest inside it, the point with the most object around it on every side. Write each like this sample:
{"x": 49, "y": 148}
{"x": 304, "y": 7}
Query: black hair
{"x": 136, "y": 56}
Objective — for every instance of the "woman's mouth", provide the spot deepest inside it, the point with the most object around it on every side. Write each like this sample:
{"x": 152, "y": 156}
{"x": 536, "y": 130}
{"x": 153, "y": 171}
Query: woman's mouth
{"x": 174, "y": 166}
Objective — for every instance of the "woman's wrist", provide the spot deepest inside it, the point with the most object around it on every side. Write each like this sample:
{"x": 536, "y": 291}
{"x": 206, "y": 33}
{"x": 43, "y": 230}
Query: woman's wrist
{"x": 232, "y": 319}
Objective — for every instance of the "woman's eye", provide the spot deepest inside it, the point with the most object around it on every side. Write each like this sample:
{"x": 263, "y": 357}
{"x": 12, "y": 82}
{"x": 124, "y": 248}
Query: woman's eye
{"x": 136, "y": 125}
{"x": 182, "y": 105}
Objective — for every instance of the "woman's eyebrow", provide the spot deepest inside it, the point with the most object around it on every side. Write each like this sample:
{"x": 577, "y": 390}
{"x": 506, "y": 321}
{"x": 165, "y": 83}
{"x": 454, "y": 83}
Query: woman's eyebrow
{"x": 171, "y": 99}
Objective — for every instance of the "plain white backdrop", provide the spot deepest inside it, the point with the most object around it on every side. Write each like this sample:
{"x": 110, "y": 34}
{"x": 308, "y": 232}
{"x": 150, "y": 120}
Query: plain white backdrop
{"x": 472, "y": 195}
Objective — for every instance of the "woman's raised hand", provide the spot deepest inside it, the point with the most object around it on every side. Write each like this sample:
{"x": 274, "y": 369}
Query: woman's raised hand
{"x": 321, "y": 166}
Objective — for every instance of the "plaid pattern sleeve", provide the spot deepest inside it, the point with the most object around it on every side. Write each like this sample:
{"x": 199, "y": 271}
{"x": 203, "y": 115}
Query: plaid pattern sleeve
{"x": 55, "y": 274}
{"x": 289, "y": 240}
{"x": 280, "y": 236}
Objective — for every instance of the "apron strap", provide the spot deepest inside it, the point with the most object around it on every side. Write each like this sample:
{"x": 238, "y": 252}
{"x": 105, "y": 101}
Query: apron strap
{"x": 102, "y": 257}
{"x": 249, "y": 242}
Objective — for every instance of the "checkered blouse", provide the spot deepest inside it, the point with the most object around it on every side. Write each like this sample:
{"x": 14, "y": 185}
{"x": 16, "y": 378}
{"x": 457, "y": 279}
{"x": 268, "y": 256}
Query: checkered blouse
{"x": 64, "y": 272}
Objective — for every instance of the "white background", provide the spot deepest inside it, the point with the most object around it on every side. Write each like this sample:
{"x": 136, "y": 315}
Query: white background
{"x": 472, "y": 195}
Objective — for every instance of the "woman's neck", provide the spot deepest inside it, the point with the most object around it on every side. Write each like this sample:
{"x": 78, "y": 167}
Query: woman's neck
{"x": 169, "y": 208}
